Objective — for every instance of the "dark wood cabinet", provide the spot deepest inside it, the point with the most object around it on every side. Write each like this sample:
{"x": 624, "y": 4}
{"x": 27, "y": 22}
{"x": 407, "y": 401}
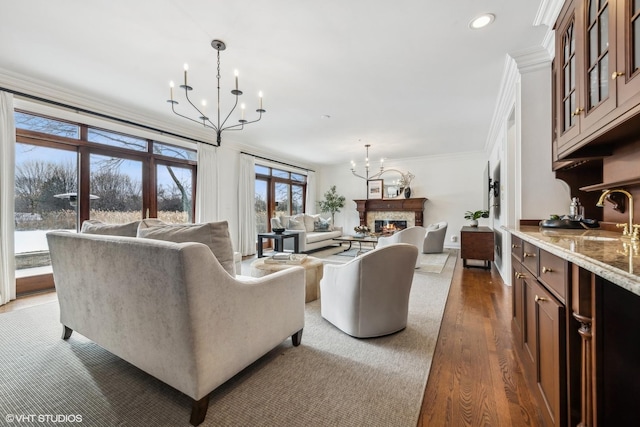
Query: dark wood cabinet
{"x": 550, "y": 347}
{"x": 477, "y": 243}
{"x": 596, "y": 87}
{"x": 539, "y": 325}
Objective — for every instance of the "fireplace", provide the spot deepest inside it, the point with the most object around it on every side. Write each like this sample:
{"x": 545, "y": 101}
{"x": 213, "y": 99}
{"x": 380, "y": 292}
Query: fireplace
{"x": 389, "y": 226}
{"x": 409, "y": 210}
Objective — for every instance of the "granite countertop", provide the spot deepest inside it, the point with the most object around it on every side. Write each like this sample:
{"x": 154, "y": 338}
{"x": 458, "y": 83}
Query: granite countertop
{"x": 604, "y": 253}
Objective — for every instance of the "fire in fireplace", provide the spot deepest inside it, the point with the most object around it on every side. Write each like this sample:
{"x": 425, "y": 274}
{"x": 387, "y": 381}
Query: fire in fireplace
{"x": 389, "y": 226}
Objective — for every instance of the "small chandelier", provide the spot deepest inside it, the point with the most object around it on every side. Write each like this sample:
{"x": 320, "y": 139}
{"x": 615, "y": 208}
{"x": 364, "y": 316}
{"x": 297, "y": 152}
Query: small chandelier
{"x": 366, "y": 167}
{"x": 218, "y": 126}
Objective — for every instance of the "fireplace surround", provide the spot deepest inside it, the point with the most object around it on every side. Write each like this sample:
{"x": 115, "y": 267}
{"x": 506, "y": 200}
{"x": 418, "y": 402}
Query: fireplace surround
{"x": 414, "y": 205}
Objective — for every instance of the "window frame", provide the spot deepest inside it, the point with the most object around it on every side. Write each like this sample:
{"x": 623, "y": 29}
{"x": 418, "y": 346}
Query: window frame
{"x": 84, "y": 149}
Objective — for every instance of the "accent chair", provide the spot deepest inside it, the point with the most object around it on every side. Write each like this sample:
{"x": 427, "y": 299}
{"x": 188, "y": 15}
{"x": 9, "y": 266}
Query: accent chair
{"x": 369, "y": 296}
{"x": 411, "y": 235}
{"x": 434, "y": 239}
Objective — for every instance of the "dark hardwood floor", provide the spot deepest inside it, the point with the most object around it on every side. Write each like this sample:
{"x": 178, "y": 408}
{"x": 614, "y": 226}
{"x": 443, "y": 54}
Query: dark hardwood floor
{"x": 475, "y": 377}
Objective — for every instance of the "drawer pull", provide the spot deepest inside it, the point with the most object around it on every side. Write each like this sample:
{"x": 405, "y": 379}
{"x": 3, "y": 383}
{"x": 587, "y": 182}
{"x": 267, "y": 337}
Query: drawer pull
{"x": 520, "y": 276}
{"x": 514, "y": 246}
{"x": 537, "y": 298}
{"x": 546, "y": 270}
{"x": 528, "y": 255}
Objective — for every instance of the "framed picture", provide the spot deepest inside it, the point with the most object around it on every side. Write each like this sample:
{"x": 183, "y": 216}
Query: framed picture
{"x": 375, "y": 188}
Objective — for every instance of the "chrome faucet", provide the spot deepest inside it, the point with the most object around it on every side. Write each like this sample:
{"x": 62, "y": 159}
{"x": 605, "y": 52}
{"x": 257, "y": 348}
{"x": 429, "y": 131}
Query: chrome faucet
{"x": 630, "y": 230}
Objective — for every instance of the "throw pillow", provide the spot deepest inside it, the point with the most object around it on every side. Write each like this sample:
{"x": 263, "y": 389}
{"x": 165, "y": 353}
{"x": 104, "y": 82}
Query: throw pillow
{"x": 150, "y": 222}
{"x": 294, "y": 224}
{"x": 93, "y": 226}
{"x": 213, "y": 234}
{"x": 309, "y": 221}
{"x": 322, "y": 225}
{"x": 433, "y": 227}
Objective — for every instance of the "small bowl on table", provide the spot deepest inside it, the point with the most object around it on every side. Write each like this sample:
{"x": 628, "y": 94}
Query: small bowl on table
{"x": 278, "y": 230}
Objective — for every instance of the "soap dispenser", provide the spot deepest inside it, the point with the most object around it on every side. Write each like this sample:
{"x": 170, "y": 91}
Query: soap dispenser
{"x": 576, "y": 210}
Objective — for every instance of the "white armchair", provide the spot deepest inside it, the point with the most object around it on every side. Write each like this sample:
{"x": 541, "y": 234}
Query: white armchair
{"x": 434, "y": 239}
{"x": 369, "y": 295}
{"x": 411, "y": 235}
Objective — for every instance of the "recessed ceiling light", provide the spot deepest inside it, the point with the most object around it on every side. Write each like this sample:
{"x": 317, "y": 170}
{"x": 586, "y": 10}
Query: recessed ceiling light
{"x": 482, "y": 21}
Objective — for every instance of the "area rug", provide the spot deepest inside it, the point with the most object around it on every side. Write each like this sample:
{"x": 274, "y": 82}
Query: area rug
{"x": 433, "y": 263}
{"x": 331, "y": 379}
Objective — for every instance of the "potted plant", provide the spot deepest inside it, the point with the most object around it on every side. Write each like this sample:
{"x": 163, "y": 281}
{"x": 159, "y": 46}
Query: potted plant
{"x": 475, "y": 215}
{"x": 332, "y": 203}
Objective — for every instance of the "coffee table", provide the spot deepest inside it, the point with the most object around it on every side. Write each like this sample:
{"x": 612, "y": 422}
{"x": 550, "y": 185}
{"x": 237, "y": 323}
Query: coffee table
{"x": 360, "y": 240}
{"x": 313, "y": 270}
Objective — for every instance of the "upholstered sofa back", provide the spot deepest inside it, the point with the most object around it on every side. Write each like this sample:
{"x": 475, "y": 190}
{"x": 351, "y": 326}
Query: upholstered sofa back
{"x": 170, "y": 308}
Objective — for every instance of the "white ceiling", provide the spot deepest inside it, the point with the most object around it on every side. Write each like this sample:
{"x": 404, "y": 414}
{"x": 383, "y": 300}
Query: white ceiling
{"x": 408, "y": 77}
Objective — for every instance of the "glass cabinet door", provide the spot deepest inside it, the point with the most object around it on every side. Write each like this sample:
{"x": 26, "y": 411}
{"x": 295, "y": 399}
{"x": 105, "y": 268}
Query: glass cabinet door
{"x": 626, "y": 75}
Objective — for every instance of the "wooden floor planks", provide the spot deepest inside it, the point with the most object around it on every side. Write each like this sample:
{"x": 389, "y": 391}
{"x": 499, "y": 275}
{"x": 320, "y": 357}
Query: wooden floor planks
{"x": 475, "y": 378}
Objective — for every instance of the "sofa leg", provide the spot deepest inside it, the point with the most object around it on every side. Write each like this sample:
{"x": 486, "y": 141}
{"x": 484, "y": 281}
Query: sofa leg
{"x": 66, "y": 332}
{"x": 199, "y": 410}
{"x": 296, "y": 338}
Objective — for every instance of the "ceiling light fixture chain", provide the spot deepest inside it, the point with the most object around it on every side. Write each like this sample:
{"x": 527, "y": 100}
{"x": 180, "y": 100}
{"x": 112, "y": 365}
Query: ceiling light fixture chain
{"x": 218, "y": 127}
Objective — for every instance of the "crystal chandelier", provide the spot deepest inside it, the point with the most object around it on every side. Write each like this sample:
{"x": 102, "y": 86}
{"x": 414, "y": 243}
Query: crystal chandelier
{"x": 366, "y": 167}
{"x": 203, "y": 119}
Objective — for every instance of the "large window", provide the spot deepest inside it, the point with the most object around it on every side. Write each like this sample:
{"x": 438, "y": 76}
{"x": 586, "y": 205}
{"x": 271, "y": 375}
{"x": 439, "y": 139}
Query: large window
{"x": 45, "y": 187}
{"x": 278, "y": 192}
{"x": 69, "y": 172}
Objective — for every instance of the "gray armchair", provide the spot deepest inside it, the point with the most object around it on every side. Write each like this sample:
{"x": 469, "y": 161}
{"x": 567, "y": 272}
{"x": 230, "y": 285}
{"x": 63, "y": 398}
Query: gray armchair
{"x": 434, "y": 239}
{"x": 369, "y": 296}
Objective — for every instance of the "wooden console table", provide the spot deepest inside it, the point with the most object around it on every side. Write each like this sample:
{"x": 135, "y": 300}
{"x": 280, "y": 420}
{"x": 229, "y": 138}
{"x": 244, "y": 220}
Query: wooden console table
{"x": 476, "y": 243}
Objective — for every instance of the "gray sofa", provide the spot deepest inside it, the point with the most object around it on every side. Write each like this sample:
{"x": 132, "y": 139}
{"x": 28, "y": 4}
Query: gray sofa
{"x": 171, "y": 309}
{"x": 313, "y": 232}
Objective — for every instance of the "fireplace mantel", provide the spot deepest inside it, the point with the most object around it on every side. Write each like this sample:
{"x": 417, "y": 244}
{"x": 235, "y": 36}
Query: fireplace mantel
{"x": 415, "y": 205}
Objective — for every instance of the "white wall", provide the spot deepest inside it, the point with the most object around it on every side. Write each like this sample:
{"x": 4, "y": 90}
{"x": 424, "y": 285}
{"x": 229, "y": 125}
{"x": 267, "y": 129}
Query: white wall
{"x": 522, "y": 144}
{"x": 452, "y": 184}
{"x": 541, "y": 193}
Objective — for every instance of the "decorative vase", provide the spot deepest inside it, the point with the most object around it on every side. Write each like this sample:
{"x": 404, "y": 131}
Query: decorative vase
{"x": 473, "y": 223}
{"x": 407, "y": 192}
{"x": 359, "y": 235}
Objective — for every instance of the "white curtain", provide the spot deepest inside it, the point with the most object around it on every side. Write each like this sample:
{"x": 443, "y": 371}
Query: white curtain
{"x": 207, "y": 184}
{"x": 246, "y": 205}
{"x": 311, "y": 202}
{"x": 7, "y": 188}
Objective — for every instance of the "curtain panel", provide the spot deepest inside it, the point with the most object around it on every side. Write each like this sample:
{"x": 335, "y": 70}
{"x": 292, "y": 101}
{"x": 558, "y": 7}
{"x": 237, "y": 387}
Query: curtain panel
{"x": 246, "y": 205}
{"x": 7, "y": 203}
{"x": 310, "y": 202}
{"x": 207, "y": 184}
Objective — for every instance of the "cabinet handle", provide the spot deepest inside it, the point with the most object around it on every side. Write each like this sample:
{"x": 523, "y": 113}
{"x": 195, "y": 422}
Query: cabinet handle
{"x": 577, "y": 112}
{"x": 546, "y": 270}
{"x": 537, "y": 298}
{"x": 514, "y": 246}
{"x": 520, "y": 276}
{"x": 528, "y": 255}
{"x": 616, "y": 74}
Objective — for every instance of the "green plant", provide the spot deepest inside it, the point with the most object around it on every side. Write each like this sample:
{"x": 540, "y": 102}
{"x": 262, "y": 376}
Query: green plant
{"x": 332, "y": 202}
{"x": 476, "y": 214}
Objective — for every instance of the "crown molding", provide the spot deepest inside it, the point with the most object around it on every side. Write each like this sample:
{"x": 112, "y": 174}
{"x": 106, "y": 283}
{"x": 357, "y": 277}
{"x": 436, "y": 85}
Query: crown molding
{"x": 505, "y": 101}
{"x": 548, "y": 13}
{"x": 532, "y": 59}
{"x": 55, "y": 94}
